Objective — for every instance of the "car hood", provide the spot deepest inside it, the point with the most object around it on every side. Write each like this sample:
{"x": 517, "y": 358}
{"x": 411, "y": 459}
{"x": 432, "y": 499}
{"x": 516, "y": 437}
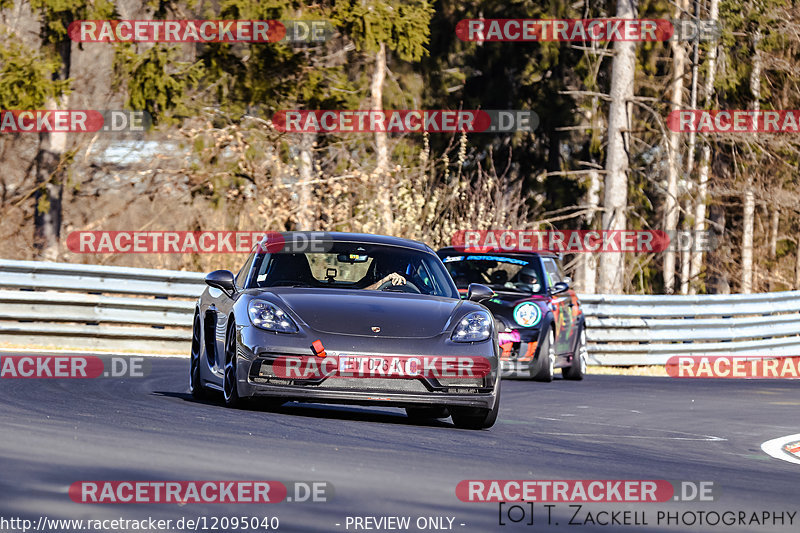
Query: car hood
{"x": 511, "y": 299}
{"x": 350, "y": 312}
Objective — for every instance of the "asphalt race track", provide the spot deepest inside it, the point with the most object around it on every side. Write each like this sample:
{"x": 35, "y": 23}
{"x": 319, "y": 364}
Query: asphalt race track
{"x": 54, "y": 432}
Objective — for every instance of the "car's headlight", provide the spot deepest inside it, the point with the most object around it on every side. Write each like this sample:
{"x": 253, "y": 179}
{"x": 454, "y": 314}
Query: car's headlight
{"x": 268, "y": 316}
{"x": 475, "y": 326}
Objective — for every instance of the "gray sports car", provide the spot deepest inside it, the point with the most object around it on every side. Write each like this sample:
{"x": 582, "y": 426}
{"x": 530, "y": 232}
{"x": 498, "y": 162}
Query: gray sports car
{"x": 347, "y": 318}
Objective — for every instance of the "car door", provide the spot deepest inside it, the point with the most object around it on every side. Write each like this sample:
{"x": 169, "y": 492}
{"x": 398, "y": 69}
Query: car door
{"x": 564, "y": 319}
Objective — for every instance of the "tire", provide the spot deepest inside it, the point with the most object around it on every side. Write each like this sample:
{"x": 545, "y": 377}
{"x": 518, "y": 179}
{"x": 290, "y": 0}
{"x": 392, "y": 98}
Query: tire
{"x": 195, "y": 383}
{"x": 476, "y": 418}
{"x": 420, "y": 413}
{"x": 545, "y": 367}
{"x": 577, "y": 369}
{"x": 230, "y": 387}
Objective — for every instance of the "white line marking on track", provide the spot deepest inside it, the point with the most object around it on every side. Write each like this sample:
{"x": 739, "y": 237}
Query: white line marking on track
{"x": 689, "y": 436}
{"x": 702, "y": 438}
{"x": 774, "y": 448}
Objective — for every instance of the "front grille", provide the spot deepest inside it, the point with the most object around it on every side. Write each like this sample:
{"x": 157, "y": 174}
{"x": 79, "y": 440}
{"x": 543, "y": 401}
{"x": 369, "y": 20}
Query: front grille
{"x": 461, "y": 382}
{"x": 373, "y": 384}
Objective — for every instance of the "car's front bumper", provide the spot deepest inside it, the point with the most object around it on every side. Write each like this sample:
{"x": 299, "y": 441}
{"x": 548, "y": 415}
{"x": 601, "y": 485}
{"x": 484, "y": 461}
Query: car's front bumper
{"x": 257, "y": 349}
{"x": 372, "y": 397}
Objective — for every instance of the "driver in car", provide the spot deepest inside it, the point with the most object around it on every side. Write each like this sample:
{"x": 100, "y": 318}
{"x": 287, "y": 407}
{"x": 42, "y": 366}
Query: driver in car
{"x": 527, "y": 279}
{"x": 393, "y": 275}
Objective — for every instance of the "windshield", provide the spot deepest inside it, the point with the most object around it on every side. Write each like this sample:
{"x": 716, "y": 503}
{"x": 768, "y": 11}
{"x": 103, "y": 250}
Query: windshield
{"x": 501, "y": 273}
{"x": 349, "y": 265}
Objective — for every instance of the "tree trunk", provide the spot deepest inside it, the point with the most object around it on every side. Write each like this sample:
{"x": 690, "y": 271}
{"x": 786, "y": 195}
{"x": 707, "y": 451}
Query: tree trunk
{"x": 588, "y": 264}
{"x": 673, "y": 151}
{"x": 586, "y": 272}
{"x": 773, "y": 233}
{"x": 775, "y": 219}
{"x": 305, "y": 169}
{"x": 49, "y": 192}
{"x": 49, "y": 174}
{"x": 382, "y": 144}
{"x": 749, "y": 207}
{"x": 797, "y": 266}
{"x": 705, "y": 159}
{"x": 719, "y": 256}
{"x": 686, "y": 255}
{"x": 615, "y": 196}
{"x": 747, "y": 237}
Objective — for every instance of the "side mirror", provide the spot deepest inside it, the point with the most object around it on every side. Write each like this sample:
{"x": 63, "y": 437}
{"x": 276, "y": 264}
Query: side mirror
{"x": 561, "y": 286}
{"x": 222, "y": 280}
{"x": 477, "y": 292}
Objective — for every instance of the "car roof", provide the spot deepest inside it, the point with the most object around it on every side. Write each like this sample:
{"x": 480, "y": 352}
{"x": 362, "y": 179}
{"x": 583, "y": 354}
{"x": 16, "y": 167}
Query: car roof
{"x": 364, "y": 238}
{"x": 454, "y": 250}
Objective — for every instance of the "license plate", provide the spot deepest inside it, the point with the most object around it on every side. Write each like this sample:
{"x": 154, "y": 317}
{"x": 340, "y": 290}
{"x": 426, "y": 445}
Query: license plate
{"x": 363, "y": 364}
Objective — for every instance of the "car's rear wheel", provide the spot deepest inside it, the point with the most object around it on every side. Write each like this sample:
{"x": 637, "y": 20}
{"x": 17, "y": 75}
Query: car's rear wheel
{"x": 475, "y": 417}
{"x": 195, "y": 382}
{"x": 419, "y": 413}
{"x": 545, "y": 367}
{"x": 577, "y": 369}
{"x": 230, "y": 389}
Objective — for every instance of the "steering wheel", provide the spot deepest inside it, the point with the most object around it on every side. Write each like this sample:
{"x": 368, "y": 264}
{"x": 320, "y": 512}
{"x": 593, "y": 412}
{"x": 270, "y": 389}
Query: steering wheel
{"x": 387, "y": 286}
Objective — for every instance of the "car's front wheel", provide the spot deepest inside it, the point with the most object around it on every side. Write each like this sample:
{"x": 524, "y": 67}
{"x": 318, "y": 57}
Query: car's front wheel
{"x": 230, "y": 388}
{"x": 546, "y": 361}
{"x": 195, "y": 382}
{"x": 577, "y": 369}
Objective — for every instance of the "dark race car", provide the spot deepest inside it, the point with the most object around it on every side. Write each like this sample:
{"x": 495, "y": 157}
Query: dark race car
{"x": 539, "y": 319}
{"x": 357, "y": 319}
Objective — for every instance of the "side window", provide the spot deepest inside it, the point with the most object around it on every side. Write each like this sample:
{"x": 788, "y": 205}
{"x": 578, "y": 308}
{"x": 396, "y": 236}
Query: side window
{"x": 553, "y": 274}
{"x": 262, "y": 268}
{"x": 422, "y": 278}
{"x": 241, "y": 277}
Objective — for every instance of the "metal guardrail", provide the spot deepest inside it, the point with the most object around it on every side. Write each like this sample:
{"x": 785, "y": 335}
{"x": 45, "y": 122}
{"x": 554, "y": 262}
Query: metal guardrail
{"x": 96, "y": 307}
{"x": 629, "y": 330}
{"x": 115, "y": 308}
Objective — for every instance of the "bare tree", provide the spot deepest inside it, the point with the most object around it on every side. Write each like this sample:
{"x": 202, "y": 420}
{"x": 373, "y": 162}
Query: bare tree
{"x": 705, "y": 158}
{"x": 51, "y": 171}
{"x": 674, "y": 155}
{"x": 305, "y": 169}
{"x": 686, "y": 257}
{"x": 615, "y": 197}
{"x": 749, "y": 207}
{"x": 382, "y": 141}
